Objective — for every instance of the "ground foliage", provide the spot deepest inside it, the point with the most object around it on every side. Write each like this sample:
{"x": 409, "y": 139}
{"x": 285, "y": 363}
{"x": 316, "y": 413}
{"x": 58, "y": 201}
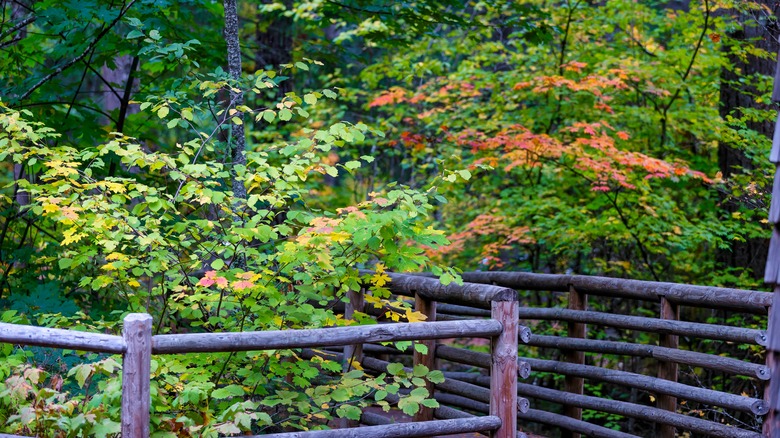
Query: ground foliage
{"x": 543, "y": 136}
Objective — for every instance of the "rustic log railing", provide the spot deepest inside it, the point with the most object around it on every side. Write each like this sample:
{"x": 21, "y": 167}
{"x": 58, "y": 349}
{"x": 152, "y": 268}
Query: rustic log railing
{"x": 137, "y": 345}
{"x": 669, "y": 299}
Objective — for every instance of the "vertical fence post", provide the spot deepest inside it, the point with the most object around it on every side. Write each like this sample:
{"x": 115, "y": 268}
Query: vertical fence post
{"x": 772, "y": 420}
{"x": 503, "y": 369}
{"x": 136, "y": 375}
{"x": 428, "y": 308}
{"x": 667, "y": 370}
{"x": 575, "y": 385}
{"x": 356, "y": 303}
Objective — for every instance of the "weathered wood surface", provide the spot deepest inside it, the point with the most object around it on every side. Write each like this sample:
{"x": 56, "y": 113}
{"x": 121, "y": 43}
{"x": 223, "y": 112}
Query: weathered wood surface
{"x": 523, "y": 332}
{"x": 353, "y": 352}
{"x": 503, "y": 370}
{"x": 578, "y": 301}
{"x": 136, "y": 370}
{"x": 474, "y": 358}
{"x": 278, "y": 339}
{"x": 700, "y": 296}
{"x": 401, "y": 430}
{"x": 772, "y": 392}
{"x": 667, "y": 369}
{"x": 693, "y": 358}
{"x": 646, "y": 413}
{"x": 5, "y": 435}
{"x": 680, "y": 328}
{"x": 58, "y": 338}
{"x": 428, "y": 308}
{"x": 653, "y": 384}
{"x": 431, "y": 288}
{"x": 570, "y": 424}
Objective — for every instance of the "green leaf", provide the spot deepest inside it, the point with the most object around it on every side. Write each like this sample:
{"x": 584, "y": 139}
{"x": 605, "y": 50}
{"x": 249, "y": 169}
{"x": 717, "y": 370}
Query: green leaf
{"x": 172, "y": 123}
{"x": 436, "y": 376}
{"x": 380, "y": 395}
{"x": 268, "y": 115}
{"x": 227, "y": 392}
{"x": 163, "y": 111}
{"x": 421, "y": 348}
{"x": 350, "y": 412}
{"x": 154, "y": 34}
{"x": 465, "y": 174}
{"x": 285, "y": 114}
{"x": 65, "y": 263}
{"x": 135, "y": 33}
{"x": 395, "y": 368}
{"x": 310, "y": 98}
{"x": 302, "y": 66}
{"x": 430, "y": 403}
{"x": 420, "y": 370}
{"x": 237, "y": 120}
{"x": 217, "y": 264}
{"x": 352, "y": 165}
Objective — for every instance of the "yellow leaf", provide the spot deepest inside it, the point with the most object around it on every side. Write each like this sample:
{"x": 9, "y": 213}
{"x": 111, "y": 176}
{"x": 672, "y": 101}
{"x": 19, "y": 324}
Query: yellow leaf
{"x": 50, "y": 208}
{"x": 133, "y": 283}
{"x": 413, "y": 316}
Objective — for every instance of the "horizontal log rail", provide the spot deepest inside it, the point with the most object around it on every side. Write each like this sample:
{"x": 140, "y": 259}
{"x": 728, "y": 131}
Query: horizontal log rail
{"x": 755, "y": 302}
{"x": 432, "y": 289}
{"x": 401, "y": 430}
{"x": 60, "y": 338}
{"x": 653, "y": 384}
{"x": 692, "y": 358}
{"x": 537, "y": 416}
{"x": 283, "y": 339}
{"x": 681, "y": 328}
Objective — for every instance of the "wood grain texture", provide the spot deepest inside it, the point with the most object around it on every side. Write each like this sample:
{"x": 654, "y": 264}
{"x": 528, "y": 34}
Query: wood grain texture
{"x": 655, "y": 415}
{"x": 700, "y": 296}
{"x": 692, "y": 358}
{"x": 401, "y": 430}
{"x": 136, "y": 370}
{"x": 503, "y": 370}
{"x": 278, "y": 339}
{"x": 654, "y": 385}
{"x": 667, "y": 370}
{"x": 474, "y": 358}
{"x": 431, "y": 288}
{"x": 578, "y": 301}
{"x": 427, "y": 308}
{"x": 680, "y": 328}
{"x": 58, "y": 338}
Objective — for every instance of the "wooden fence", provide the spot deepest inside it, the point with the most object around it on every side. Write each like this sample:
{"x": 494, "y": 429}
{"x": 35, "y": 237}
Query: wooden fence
{"x": 137, "y": 345}
{"x": 665, "y": 327}
{"x": 487, "y": 306}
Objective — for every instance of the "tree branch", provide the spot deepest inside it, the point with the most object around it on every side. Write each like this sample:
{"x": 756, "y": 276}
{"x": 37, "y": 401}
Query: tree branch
{"x": 81, "y": 56}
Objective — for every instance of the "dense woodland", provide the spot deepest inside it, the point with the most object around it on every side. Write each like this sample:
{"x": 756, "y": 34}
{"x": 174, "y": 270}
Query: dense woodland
{"x": 231, "y": 167}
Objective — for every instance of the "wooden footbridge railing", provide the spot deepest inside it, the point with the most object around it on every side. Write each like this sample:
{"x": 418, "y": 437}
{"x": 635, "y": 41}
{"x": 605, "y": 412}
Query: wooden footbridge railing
{"x": 488, "y": 307}
{"x": 137, "y": 345}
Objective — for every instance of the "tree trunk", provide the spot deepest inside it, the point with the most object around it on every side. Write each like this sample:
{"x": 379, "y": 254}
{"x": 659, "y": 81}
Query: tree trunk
{"x": 762, "y": 31}
{"x": 236, "y": 97}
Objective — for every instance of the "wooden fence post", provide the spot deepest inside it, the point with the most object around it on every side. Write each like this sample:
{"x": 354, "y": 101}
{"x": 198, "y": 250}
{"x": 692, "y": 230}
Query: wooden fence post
{"x": 576, "y": 385}
{"x": 354, "y": 352}
{"x": 136, "y": 375}
{"x": 503, "y": 369}
{"x": 772, "y": 392}
{"x": 667, "y": 370}
{"x": 428, "y": 308}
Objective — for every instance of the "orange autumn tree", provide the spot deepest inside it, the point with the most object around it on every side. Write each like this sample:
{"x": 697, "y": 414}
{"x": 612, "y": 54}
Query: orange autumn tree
{"x": 582, "y": 157}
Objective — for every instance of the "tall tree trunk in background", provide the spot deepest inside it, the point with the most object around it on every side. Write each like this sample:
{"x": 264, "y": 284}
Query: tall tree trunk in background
{"x": 236, "y": 98}
{"x": 761, "y": 30}
{"x": 275, "y": 43}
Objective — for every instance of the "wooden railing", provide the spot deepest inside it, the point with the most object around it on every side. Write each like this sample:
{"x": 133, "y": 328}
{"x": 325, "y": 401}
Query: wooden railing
{"x": 137, "y": 345}
{"x": 666, "y": 328}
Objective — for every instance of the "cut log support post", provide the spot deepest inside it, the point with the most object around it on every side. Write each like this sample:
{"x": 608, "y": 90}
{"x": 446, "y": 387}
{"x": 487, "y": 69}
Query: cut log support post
{"x": 577, "y": 301}
{"x": 428, "y": 308}
{"x": 667, "y": 370}
{"x": 136, "y": 370}
{"x": 352, "y": 352}
{"x": 503, "y": 370}
{"x": 772, "y": 420}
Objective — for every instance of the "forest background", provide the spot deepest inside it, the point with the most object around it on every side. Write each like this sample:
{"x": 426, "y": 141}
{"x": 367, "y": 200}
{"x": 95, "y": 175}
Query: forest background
{"x": 230, "y": 167}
